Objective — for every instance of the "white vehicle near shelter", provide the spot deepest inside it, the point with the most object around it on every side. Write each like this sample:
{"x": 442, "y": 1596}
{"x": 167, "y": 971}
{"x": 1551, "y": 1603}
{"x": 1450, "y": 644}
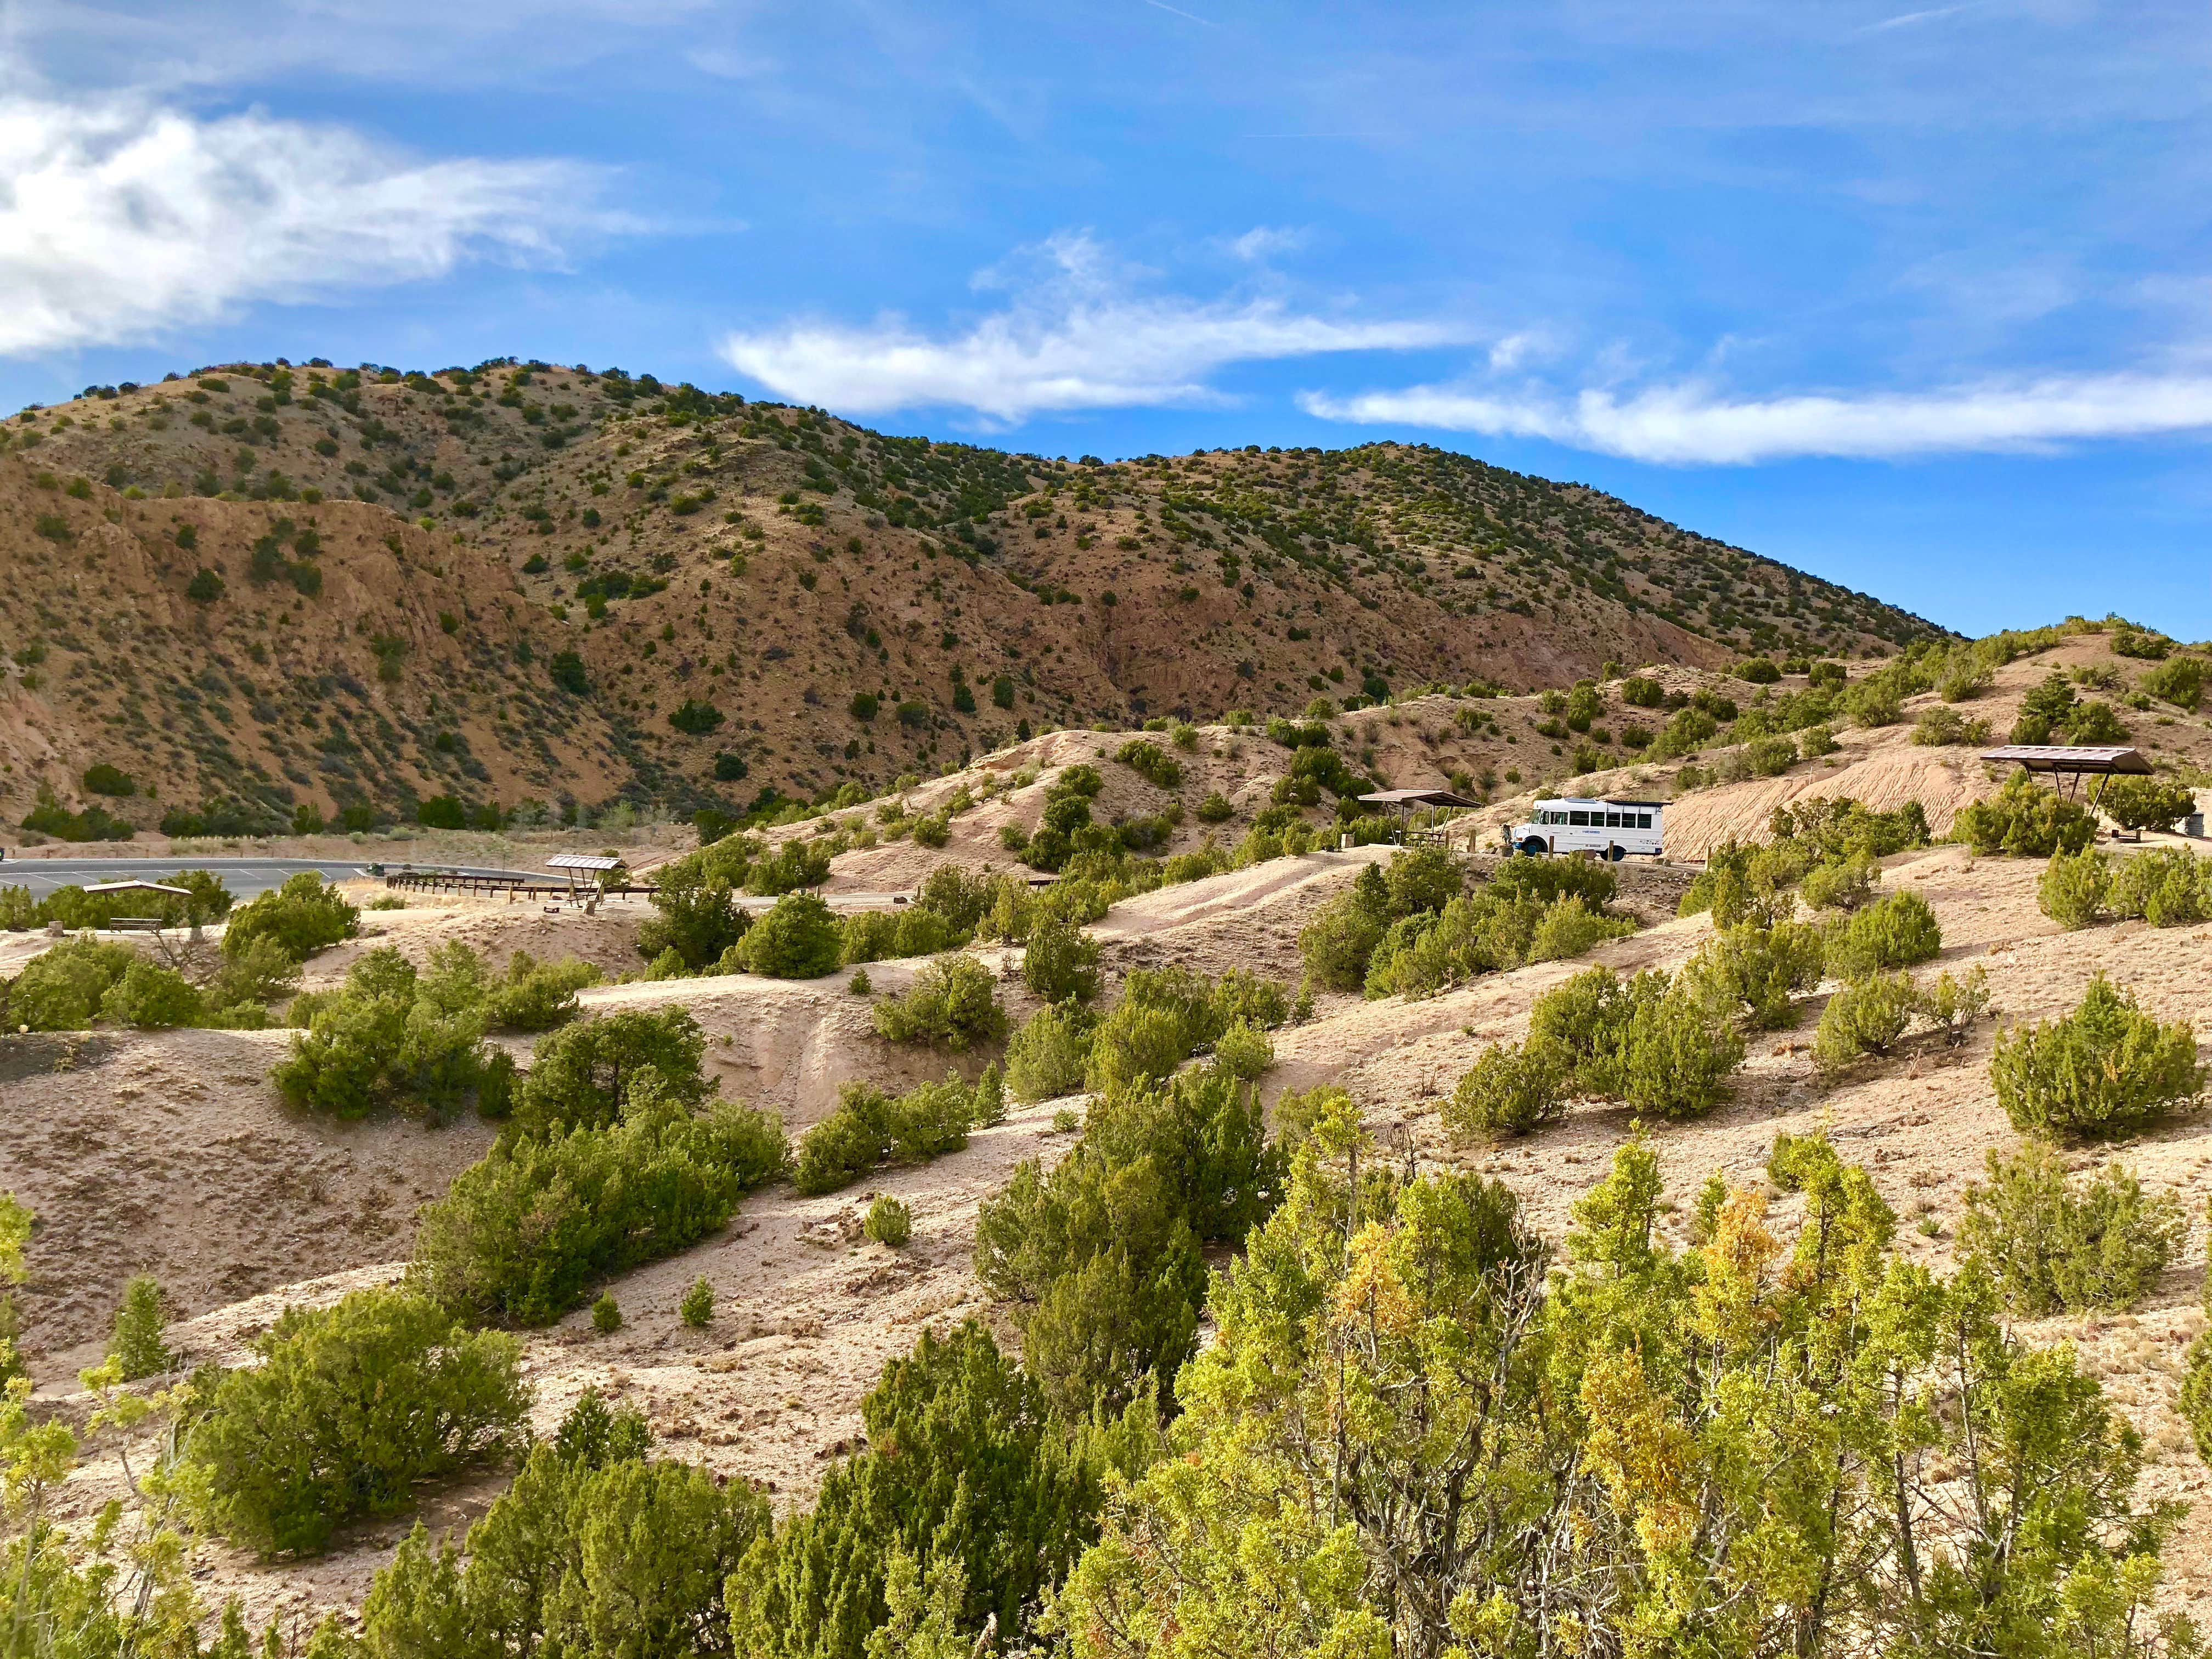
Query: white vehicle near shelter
{"x": 1610, "y": 829}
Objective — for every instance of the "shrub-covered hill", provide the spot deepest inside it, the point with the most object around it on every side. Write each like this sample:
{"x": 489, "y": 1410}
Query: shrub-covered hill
{"x": 604, "y": 583}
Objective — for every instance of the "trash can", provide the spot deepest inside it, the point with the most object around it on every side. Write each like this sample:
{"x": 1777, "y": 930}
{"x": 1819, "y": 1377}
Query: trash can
{"x": 2193, "y": 825}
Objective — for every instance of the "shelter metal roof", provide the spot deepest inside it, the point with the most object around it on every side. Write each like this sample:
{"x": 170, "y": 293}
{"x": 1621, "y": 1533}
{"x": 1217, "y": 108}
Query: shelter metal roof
{"x": 135, "y": 885}
{"x": 582, "y": 861}
{"x": 1416, "y": 798}
{"x": 2069, "y": 757}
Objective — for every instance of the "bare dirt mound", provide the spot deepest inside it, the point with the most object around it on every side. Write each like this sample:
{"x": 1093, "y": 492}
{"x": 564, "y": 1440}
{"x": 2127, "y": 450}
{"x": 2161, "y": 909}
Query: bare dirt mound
{"x": 169, "y": 1153}
{"x": 492, "y": 927}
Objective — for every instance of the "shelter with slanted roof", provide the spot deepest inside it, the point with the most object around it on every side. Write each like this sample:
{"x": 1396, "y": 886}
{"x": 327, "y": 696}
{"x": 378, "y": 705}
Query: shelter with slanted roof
{"x": 2068, "y": 763}
{"x": 137, "y": 884}
{"x": 1406, "y": 800}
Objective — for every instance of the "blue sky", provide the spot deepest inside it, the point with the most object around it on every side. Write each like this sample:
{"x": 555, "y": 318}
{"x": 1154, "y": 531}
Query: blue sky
{"x": 1918, "y": 297}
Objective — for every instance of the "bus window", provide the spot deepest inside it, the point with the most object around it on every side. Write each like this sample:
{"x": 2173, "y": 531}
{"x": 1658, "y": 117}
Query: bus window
{"x": 1613, "y": 820}
{"x": 1579, "y": 820}
{"x": 1643, "y": 820}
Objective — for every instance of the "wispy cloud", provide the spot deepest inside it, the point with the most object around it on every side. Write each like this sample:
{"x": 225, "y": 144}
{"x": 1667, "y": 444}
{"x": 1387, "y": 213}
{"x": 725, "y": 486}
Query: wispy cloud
{"x": 1079, "y": 337}
{"x": 1266, "y": 242}
{"x": 119, "y": 219}
{"x": 1695, "y": 425}
{"x": 1162, "y": 5}
{"x": 1913, "y": 19}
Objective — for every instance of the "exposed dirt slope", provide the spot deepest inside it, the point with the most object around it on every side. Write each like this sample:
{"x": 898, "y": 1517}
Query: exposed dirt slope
{"x": 927, "y": 575}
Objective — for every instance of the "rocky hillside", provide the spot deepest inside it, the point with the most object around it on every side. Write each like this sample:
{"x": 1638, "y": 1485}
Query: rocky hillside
{"x": 265, "y": 589}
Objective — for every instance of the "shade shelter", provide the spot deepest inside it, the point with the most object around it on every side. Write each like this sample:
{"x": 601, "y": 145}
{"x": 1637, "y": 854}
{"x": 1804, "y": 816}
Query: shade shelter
{"x": 573, "y": 864}
{"x": 135, "y": 884}
{"x": 1406, "y": 800}
{"x": 2067, "y": 764}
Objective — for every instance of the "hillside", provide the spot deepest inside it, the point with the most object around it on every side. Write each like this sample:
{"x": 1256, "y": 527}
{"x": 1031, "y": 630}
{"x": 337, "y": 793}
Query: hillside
{"x": 535, "y": 582}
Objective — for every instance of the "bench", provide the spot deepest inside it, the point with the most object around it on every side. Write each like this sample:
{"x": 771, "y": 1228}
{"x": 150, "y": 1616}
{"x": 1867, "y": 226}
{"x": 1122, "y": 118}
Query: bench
{"x": 135, "y": 924}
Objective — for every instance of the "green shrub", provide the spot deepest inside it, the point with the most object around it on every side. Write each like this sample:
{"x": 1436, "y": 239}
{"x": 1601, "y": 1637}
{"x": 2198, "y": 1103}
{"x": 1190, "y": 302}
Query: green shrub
{"x": 1897, "y": 932}
{"x": 1337, "y": 944}
{"x": 2167, "y": 886}
{"x": 1243, "y": 1051}
{"x": 1060, "y": 962}
{"x": 352, "y": 1406}
{"x": 793, "y": 868}
{"x": 64, "y": 989}
{"x": 521, "y": 1235}
{"x": 889, "y": 1222}
{"x": 1868, "y": 1015}
{"x": 1952, "y": 1005}
{"x": 1425, "y": 879}
{"x": 1568, "y": 929}
{"x": 697, "y": 1308}
{"x": 2073, "y": 888}
{"x": 1101, "y": 1258}
{"x": 2095, "y": 721}
{"x": 695, "y": 717}
{"x": 1742, "y": 883}
{"x": 859, "y": 985}
{"x": 2025, "y": 820}
{"x": 969, "y": 1484}
{"x": 1833, "y": 826}
{"x": 2178, "y": 680}
{"x": 799, "y": 939}
{"x": 1511, "y": 1090}
{"x": 1046, "y": 1057}
{"x": 696, "y": 913}
{"x": 2053, "y": 1245}
{"x": 386, "y": 1042}
{"x": 2106, "y": 1069}
{"x": 989, "y": 1104}
{"x": 1151, "y": 762}
{"x": 1760, "y": 968}
{"x": 262, "y": 973}
{"x": 2195, "y": 1403}
{"x": 152, "y": 997}
{"x": 1216, "y": 808}
{"x": 869, "y": 1128}
{"x": 136, "y": 1343}
{"x": 2140, "y": 804}
{"x": 304, "y": 915}
{"x": 1242, "y": 995}
{"x": 952, "y": 1004}
{"x": 1656, "y": 1043}
{"x": 592, "y": 1549}
{"x": 534, "y": 995}
{"x": 1872, "y": 702}
{"x": 587, "y": 1075}
{"x": 1135, "y": 1043}
{"x": 1840, "y": 884}
{"x": 1547, "y": 880}
{"x": 606, "y": 1314}
{"x": 1943, "y": 726}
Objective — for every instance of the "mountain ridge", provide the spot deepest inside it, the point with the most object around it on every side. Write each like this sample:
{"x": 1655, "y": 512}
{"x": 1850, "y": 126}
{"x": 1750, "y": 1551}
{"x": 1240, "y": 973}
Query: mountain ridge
{"x": 601, "y": 585}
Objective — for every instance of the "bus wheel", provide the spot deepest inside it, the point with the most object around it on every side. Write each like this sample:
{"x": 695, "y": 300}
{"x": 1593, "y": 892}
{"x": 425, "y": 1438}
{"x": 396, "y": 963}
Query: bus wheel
{"x": 1533, "y": 847}
{"x": 1614, "y": 854}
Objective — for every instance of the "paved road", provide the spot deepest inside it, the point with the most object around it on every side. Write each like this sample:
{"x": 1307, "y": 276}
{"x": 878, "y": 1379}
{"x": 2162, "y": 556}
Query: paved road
{"x": 243, "y": 877}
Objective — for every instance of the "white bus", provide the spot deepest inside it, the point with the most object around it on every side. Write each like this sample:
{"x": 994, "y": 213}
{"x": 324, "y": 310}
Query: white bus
{"x": 1611, "y": 829}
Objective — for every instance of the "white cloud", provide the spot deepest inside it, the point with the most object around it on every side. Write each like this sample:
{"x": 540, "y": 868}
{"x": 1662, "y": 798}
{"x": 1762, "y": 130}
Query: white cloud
{"x": 1265, "y": 241}
{"x": 1691, "y": 425}
{"x": 120, "y": 219}
{"x": 1077, "y": 338}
